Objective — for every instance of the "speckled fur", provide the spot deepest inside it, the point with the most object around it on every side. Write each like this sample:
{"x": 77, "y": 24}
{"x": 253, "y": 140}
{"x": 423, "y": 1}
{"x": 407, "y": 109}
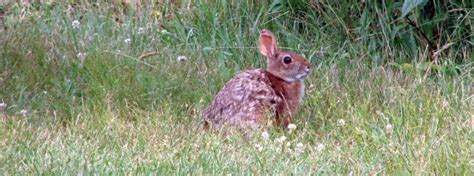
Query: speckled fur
{"x": 248, "y": 96}
{"x": 243, "y": 100}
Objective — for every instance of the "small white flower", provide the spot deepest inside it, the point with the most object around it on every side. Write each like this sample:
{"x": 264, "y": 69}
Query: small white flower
{"x": 389, "y": 128}
{"x": 164, "y": 31}
{"x": 291, "y": 127}
{"x": 128, "y": 41}
{"x": 445, "y": 104}
{"x": 82, "y": 43}
{"x": 258, "y": 147}
{"x": 341, "y": 122}
{"x": 76, "y": 24}
{"x": 91, "y": 37}
{"x": 3, "y": 105}
{"x": 141, "y": 30}
{"x": 24, "y": 112}
{"x": 265, "y": 135}
{"x": 299, "y": 148}
{"x": 181, "y": 58}
{"x": 320, "y": 147}
{"x": 311, "y": 88}
{"x": 45, "y": 92}
{"x": 81, "y": 56}
{"x": 280, "y": 139}
{"x": 288, "y": 144}
{"x": 345, "y": 55}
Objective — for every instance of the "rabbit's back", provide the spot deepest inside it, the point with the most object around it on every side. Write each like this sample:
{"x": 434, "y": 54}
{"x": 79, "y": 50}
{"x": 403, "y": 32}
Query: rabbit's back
{"x": 243, "y": 100}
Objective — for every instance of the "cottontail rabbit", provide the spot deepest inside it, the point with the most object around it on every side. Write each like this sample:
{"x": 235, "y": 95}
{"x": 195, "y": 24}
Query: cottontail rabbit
{"x": 278, "y": 89}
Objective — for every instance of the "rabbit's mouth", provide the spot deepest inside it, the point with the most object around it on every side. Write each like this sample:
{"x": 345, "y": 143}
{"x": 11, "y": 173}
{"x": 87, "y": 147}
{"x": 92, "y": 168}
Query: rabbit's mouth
{"x": 302, "y": 75}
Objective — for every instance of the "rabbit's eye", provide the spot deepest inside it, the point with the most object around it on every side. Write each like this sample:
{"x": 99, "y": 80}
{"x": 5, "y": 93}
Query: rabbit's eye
{"x": 287, "y": 59}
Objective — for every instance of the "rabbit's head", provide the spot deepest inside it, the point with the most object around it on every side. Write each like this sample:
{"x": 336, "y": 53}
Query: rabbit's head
{"x": 286, "y": 65}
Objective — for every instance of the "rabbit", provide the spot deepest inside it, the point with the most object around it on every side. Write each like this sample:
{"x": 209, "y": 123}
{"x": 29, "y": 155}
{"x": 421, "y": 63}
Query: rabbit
{"x": 250, "y": 95}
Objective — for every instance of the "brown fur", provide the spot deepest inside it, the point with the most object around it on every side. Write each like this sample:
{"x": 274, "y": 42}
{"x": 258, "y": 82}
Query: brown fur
{"x": 291, "y": 99}
{"x": 244, "y": 100}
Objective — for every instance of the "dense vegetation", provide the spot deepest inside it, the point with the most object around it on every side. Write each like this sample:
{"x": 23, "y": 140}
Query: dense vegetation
{"x": 101, "y": 87}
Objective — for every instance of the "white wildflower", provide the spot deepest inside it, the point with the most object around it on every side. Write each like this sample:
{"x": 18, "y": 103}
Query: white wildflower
{"x": 81, "y": 56}
{"x": 341, "y": 122}
{"x": 3, "y": 105}
{"x": 164, "y": 31}
{"x": 91, "y": 37}
{"x": 128, "y": 41}
{"x": 265, "y": 135}
{"x": 24, "y": 112}
{"x": 288, "y": 144}
{"x": 338, "y": 148}
{"x": 76, "y": 24}
{"x": 276, "y": 148}
{"x": 141, "y": 30}
{"x": 82, "y": 43}
{"x": 345, "y": 55}
{"x": 389, "y": 128}
{"x": 258, "y": 147}
{"x": 181, "y": 58}
{"x": 299, "y": 148}
{"x": 445, "y": 104}
{"x": 291, "y": 127}
{"x": 280, "y": 139}
{"x": 320, "y": 147}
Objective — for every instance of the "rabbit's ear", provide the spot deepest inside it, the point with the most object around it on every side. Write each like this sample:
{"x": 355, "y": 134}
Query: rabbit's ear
{"x": 268, "y": 43}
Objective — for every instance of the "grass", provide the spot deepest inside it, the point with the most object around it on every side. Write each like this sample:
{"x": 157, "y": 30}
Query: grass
{"x": 105, "y": 111}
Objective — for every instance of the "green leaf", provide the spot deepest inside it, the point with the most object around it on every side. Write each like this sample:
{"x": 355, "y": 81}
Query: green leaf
{"x": 409, "y": 5}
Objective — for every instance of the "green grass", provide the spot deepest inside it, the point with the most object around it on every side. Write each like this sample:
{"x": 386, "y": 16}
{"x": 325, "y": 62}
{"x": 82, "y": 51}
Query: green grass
{"x": 113, "y": 113}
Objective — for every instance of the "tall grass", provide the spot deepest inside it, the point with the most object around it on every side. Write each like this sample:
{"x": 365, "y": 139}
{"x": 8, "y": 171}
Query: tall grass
{"x": 80, "y": 99}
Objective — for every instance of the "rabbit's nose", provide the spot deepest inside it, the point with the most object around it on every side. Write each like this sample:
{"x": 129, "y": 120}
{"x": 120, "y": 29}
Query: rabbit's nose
{"x": 307, "y": 68}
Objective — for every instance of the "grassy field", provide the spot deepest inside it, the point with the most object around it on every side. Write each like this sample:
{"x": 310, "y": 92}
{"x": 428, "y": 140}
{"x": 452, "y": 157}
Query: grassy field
{"x": 80, "y": 93}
